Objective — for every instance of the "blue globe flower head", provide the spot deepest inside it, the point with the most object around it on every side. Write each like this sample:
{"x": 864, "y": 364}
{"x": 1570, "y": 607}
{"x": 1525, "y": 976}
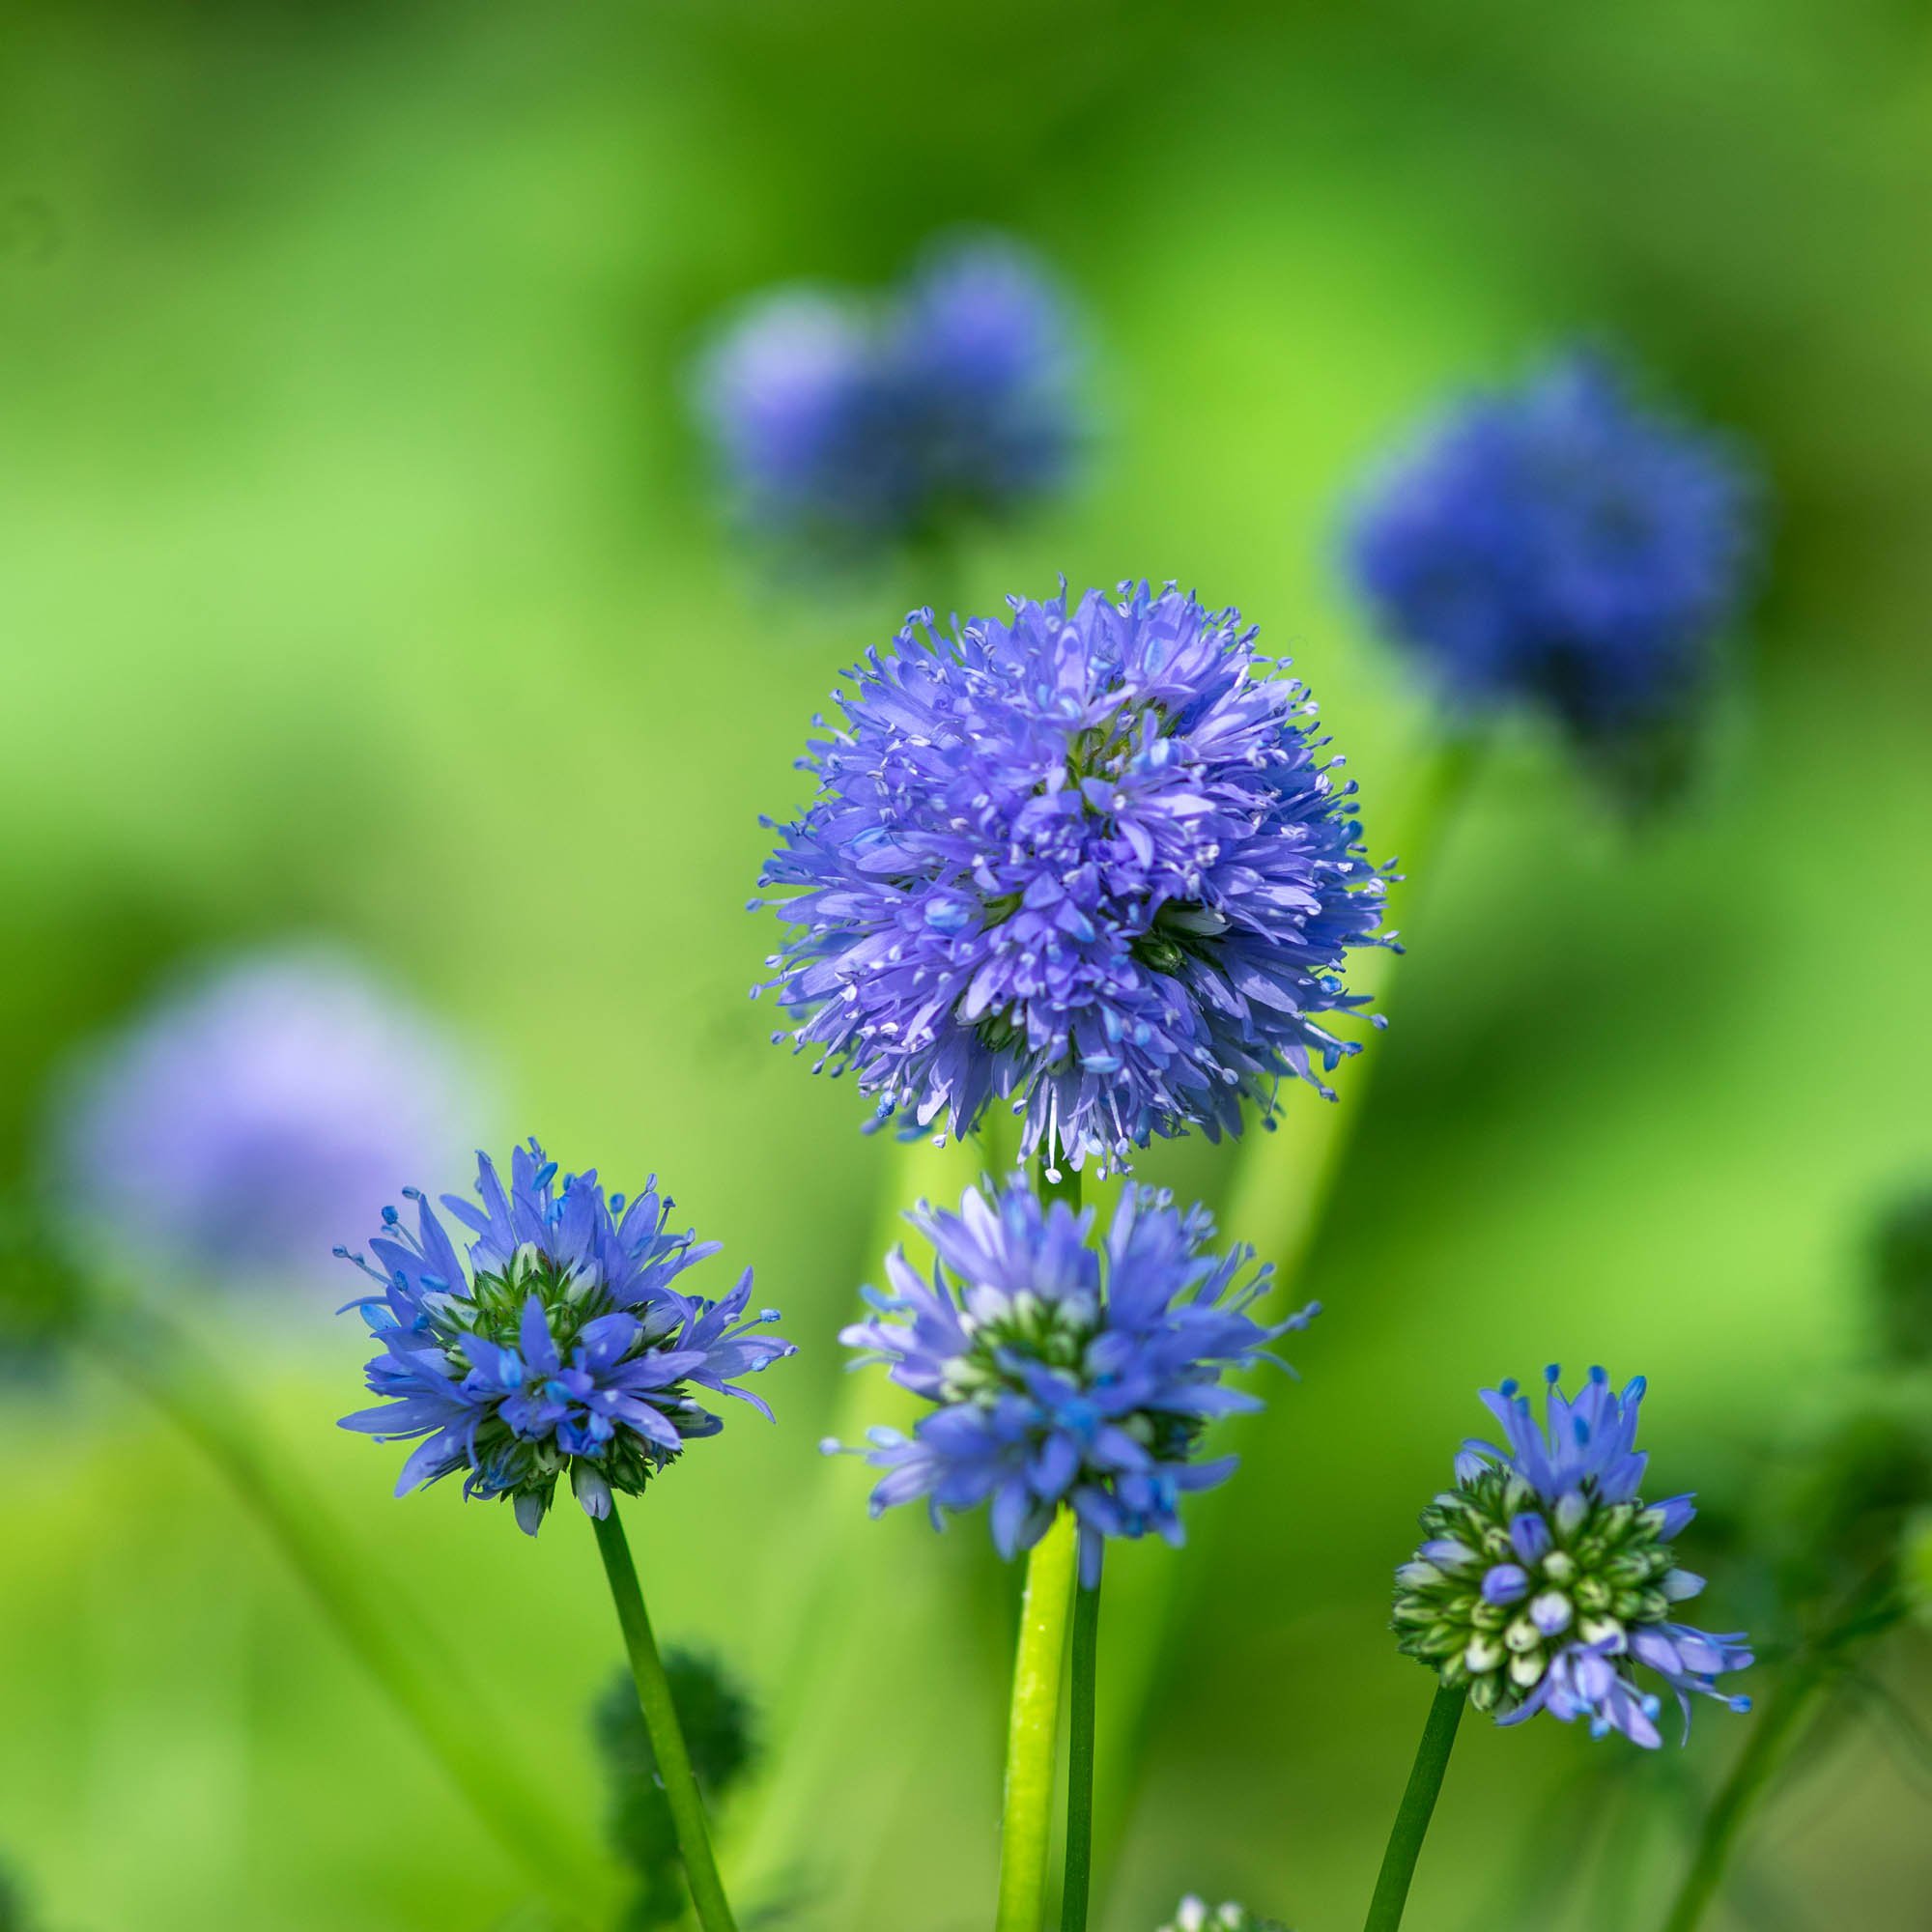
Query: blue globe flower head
{"x": 565, "y": 1344}
{"x": 1090, "y": 862}
{"x": 1063, "y": 1373}
{"x": 228, "y": 1130}
{"x": 860, "y": 423}
{"x": 1563, "y": 546}
{"x": 1545, "y": 1581}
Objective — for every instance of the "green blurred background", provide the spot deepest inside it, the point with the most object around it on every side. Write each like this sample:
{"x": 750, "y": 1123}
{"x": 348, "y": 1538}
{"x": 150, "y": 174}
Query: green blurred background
{"x": 358, "y": 574}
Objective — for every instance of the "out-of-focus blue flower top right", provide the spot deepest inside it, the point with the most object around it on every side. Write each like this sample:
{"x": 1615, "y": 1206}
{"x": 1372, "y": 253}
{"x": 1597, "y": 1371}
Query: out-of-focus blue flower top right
{"x": 1563, "y": 546}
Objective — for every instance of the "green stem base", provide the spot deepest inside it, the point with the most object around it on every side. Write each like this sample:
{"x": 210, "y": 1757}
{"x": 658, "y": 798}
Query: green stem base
{"x": 1033, "y": 1730}
{"x": 654, "y": 1699}
{"x": 1417, "y": 1807}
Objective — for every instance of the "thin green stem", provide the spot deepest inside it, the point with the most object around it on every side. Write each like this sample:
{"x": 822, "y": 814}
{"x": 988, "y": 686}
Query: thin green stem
{"x": 375, "y": 1624}
{"x": 1033, "y": 1729}
{"x": 1417, "y": 1807}
{"x": 1080, "y": 1759}
{"x": 1757, "y": 1764}
{"x": 654, "y": 1698}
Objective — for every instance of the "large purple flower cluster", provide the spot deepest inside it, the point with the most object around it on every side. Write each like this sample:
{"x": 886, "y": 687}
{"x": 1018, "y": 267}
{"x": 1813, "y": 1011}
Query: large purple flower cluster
{"x": 1090, "y": 862}
{"x": 565, "y": 1345}
{"x": 1062, "y": 1375}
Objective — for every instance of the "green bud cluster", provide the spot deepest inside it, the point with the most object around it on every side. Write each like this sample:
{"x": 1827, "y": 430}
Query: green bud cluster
{"x": 1606, "y": 1569}
{"x": 1196, "y": 1915}
{"x": 1053, "y": 1333}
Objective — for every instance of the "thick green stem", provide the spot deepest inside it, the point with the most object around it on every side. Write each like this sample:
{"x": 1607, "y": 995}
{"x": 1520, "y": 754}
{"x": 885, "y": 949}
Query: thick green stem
{"x": 654, "y": 1698}
{"x": 1756, "y": 1763}
{"x": 1417, "y": 1807}
{"x": 1080, "y": 1759}
{"x": 374, "y": 1623}
{"x": 1033, "y": 1730}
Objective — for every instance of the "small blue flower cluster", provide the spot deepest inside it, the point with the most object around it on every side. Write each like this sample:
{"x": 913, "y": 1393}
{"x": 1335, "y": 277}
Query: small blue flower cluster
{"x": 565, "y": 1345}
{"x": 861, "y": 424}
{"x": 1545, "y": 1580}
{"x": 1062, "y": 1375}
{"x": 1090, "y": 860}
{"x": 1561, "y": 546}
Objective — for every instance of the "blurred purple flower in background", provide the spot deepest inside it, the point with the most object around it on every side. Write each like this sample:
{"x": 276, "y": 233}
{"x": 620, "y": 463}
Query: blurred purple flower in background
{"x": 861, "y": 422}
{"x": 1562, "y": 545}
{"x": 234, "y": 1128}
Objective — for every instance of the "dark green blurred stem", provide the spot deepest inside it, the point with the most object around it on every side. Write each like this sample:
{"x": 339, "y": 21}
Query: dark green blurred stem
{"x": 654, "y": 1698}
{"x": 384, "y": 1637}
{"x": 1033, "y": 1728}
{"x": 1757, "y": 1763}
{"x": 1417, "y": 1807}
{"x": 1080, "y": 1759}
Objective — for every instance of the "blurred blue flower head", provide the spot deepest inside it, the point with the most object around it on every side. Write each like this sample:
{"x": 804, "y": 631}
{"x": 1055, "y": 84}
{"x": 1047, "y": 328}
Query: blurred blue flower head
{"x": 863, "y": 423}
{"x": 564, "y": 1345}
{"x": 1061, "y": 1373}
{"x": 1562, "y": 546}
{"x": 1090, "y": 860}
{"x": 234, "y": 1125}
{"x": 1545, "y": 1581}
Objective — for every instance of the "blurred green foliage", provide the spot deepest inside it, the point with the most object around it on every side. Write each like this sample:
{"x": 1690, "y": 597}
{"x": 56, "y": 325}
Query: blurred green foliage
{"x": 358, "y": 574}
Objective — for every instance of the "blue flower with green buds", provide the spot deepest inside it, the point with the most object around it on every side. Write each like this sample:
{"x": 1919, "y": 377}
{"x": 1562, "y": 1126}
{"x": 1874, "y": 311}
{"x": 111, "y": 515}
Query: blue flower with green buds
{"x": 1061, "y": 1373}
{"x": 565, "y": 1344}
{"x": 1545, "y": 1581}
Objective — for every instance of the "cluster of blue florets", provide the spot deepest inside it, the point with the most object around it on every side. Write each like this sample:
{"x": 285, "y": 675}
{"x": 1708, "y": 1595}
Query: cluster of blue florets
{"x": 1544, "y": 1581}
{"x": 1065, "y": 1374}
{"x": 565, "y": 1344}
{"x": 1090, "y": 861}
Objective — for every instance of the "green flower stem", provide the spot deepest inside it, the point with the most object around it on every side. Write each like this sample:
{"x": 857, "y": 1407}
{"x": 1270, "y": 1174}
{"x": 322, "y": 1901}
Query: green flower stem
{"x": 654, "y": 1698}
{"x": 1417, "y": 1807}
{"x": 156, "y": 1359}
{"x": 1032, "y": 1731}
{"x": 1080, "y": 1760}
{"x": 1763, "y": 1753}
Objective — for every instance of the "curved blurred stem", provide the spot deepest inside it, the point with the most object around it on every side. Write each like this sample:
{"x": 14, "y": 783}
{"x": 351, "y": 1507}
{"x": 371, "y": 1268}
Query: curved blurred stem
{"x": 1080, "y": 1759}
{"x": 1757, "y": 1764}
{"x": 674, "y": 1773}
{"x": 1032, "y": 1728}
{"x": 1283, "y": 1181}
{"x": 158, "y": 1359}
{"x": 1417, "y": 1807}
{"x": 1282, "y": 1186}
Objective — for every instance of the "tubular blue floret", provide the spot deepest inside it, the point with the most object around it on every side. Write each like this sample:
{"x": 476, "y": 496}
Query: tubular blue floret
{"x": 865, "y": 422}
{"x": 1089, "y": 863}
{"x": 564, "y": 1344}
{"x": 1063, "y": 1373}
{"x": 1562, "y": 545}
{"x": 1545, "y": 1580}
